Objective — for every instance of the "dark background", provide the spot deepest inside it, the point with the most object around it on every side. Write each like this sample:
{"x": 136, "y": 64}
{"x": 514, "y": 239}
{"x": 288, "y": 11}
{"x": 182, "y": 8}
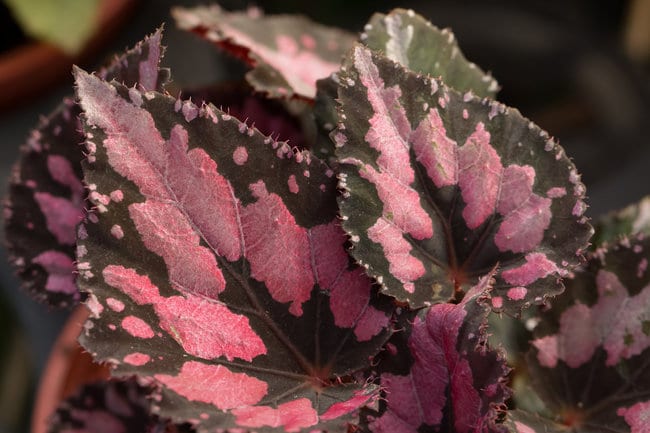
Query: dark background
{"x": 571, "y": 66}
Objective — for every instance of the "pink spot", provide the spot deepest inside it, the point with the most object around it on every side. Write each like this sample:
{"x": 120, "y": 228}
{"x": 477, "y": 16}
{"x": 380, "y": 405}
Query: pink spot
{"x": 337, "y": 410}
{"x": 31, "y": 184}
{"x": 61, "y": 216}
{"x": 291, "y": 416}
{"x": 117, "y": 195}
{"x": 215, "y": 384}
{"x": 308, "y": 41}
{"x": 287, "y": 45}
{"x": 479, "y": 176}
{"x": 61, "y": 171}
{"x": 60, "y": 272}
{"x": 465, "y": 114}
{"x": 517, "y": 293}
{"x": 497, "y": 302}
{"x": 523, "y": 428}
{"x": 526, "y": 215}
{"x": 166, "y": 231}
{"x": 190, "y": 319}
{"x": 94, "y": 306}
{"x": 537, "y": 266}
{"x": 556, "y": 192}
{"x": 293, "y": 185}
{"x": 637, "y": 417}
{"x": 240, "y": 155}
{"x": 402, "y": 265}
{"x": 137, "y": 359}
{"x": 115, "y": 304}
{"x": 117, "y": 232}
{"x": 269, "y": 227}
{"x": 112, "y": 327}
{"x": 642, "y": 267}
{"x": 137, "y": 327}
{"x": 436, "y": 151}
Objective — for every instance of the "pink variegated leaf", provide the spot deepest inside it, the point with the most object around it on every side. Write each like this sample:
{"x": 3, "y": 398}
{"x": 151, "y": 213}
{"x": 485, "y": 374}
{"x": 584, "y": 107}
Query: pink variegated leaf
{"x": 217, "y": 267}
{"x": 440, "y": 375}
{"x": 590, "y": 357}
{"x": 46, "y": 196}
{"x": 440, "y": 187}
{"x": 409, "y": 39}
{"x": 115, "y": 406}
{"x": 288, "y": 53}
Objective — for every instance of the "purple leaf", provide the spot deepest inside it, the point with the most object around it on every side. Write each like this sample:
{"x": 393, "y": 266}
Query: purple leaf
{"x": 441, "y": 187}
{"x": 46, "y": 197}
{"x": 590, "y": 358}
{"x": 229, "y": 282}
{"x": 440, "y": 375}
{"x": 288, "y": 53}
{"x": 115, "y": 406}
{"x": 411, "y": 40}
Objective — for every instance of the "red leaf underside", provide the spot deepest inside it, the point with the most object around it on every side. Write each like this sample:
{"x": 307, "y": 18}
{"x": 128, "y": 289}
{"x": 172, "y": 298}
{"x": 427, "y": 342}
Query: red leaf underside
{"x": 441, "y": 187}
{"x": 217, "y": 266}
{"x": 288, "y": 53}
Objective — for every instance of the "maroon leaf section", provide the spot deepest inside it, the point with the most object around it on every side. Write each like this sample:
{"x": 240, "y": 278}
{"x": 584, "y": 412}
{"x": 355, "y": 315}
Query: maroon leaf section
{"x": 442, "y": 187}
{"x": 440, "y": 375}
{"x": 115, "y": 406}
{"x": 46, "y": 196}
{"x": 288, "y": 53}
{"x": 217, "y": 267}
{"x": 590, "y": 359}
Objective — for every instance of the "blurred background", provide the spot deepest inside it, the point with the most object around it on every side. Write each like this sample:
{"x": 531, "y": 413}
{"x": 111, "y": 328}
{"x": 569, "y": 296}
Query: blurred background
{"x": 579, "y": 68}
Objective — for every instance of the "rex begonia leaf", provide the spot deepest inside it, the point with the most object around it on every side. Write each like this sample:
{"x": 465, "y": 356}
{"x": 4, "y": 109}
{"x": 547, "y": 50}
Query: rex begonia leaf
{"x": 441, "y": 187}
{"x": 288, "y": 53}
{"x": 46, "y": 197}
{"x": 409, "y": 39}
{"x": 590, "y": 357}
{"x": 630, "y": 220}
{"x": 115, "y": 406}
{"x": 439, "y": 374}
{"x": 216, "y": 266}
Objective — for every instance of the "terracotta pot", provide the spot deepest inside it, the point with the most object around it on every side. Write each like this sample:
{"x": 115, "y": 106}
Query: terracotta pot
{"x": 68, "y": 368}
{"x": 28, "y": 70}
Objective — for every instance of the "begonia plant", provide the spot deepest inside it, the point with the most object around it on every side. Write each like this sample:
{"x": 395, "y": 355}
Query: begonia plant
{"x": 341, "y": 281}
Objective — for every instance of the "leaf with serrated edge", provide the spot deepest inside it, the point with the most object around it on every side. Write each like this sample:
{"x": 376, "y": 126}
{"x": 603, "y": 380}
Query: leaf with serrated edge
{"x": 628, "y": 221}
{"x": 409, "y": 39}
{"x": 440, "y": 374}
{"x": 288, "y": 53}
{"x": 220, "y": 260}
{"x": 441, "y": 187}
{"x": 590, "y": 357}
{"x": 46, "y": 196}
{"x": 111, "y": 406}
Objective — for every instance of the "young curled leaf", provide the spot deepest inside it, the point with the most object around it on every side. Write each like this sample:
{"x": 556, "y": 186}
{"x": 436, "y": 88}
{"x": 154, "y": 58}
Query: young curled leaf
{"x": 440, "y": 187}
{"x": 217, "y": 267}
{"x": 439, "y": 375}
{"x": 590, "y": 358}
{"x": 410, "y": 40}
{"x": 288, "y": 53}
{"x": 46, "y": 196}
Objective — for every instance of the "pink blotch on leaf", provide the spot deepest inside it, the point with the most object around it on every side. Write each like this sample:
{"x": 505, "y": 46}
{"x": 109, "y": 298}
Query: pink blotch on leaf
{"x": 293, "y": 185}
{"x": 269, "y": 228}
{"x": 526, "y": 214}
{"x": 479, "y": 176}
{"x": 523, "y": 428}
{"x": 137, "y": 359}
{"x": 115, "y": 304}
{"x": 291, "y": 416}
{"x": 556, "y": 192}
{"x": 308, "y": 41}
{"x": 435, "y": 150}
{"x": 61, "y": 171}
{"x": 60, "y": 272}
{"x": 117, "y": 231}
{"x": 497, "y": 302}
{"x": 240, "y": 155}
{"x": 637, "y": 416}
{"x": 517, "y": 293}
{"x": 61, "y": 216}
{"x": 402, "y": 265}
{"x": 537, "y": 266}
{"x": 337, "y": 410}
{"x": 137, "y": 327}
{"x": 117, "y": 195}
{"x": 215, "y": 384}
